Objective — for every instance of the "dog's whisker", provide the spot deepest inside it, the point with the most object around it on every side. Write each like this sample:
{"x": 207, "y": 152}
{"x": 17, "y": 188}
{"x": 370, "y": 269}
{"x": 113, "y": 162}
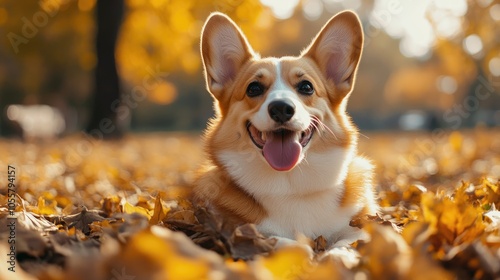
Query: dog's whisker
{"x": 315, "y": 126}
{"x": 329, "y": 130}
{"x": 305, "y": 161}
{"x": 300, "y": 168}
{"x": 364, "y": 135}
{"x": 317, "y": 123}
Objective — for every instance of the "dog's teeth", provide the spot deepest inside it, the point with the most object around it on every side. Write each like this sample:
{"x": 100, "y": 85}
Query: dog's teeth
{"x": 263, "y": 136}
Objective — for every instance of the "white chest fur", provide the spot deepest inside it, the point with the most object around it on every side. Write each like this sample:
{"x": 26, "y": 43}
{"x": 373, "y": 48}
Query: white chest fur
{"x": 304, "y": 200}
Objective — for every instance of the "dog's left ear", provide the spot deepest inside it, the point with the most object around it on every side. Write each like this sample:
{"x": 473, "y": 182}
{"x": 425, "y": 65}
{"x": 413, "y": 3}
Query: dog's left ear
{"x": 337, "y": 50}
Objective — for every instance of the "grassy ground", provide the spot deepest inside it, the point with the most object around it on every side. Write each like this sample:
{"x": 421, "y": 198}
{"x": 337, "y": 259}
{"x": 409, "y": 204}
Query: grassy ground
{"x": 88, "y": 209}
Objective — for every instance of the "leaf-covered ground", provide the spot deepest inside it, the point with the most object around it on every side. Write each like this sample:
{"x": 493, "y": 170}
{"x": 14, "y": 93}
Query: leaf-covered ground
{"x": 88, "y": 209}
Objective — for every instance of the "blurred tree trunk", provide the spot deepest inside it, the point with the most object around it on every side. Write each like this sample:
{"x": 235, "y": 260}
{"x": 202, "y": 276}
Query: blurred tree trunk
{"x": 109, "y": 15}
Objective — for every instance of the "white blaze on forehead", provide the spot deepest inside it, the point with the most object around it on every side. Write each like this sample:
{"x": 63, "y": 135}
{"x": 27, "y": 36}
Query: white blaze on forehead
{"x": 279, "y": 84}
{"x": 280, "y": 90}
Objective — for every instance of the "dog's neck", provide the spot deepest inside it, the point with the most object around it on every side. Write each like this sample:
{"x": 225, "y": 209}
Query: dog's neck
{"x": 318, "y": 172}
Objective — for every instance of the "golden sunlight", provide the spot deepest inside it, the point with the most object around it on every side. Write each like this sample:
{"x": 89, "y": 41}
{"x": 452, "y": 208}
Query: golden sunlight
{"x": 281, "y": 9}
{"x": 418, "y": 23}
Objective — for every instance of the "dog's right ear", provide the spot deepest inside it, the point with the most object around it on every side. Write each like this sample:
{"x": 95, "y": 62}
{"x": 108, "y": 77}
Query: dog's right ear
{"x": 224, "y": 49}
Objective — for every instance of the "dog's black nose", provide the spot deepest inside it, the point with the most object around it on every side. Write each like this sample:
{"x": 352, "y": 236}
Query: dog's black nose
{"x": 281, "y": 111}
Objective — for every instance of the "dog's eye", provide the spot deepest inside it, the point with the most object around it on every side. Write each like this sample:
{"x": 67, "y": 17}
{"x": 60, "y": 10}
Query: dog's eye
{"x": 305, "y": 87}
{"x": 255, "y": 89}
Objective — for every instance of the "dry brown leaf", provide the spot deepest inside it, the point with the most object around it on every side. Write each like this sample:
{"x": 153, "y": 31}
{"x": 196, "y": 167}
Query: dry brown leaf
{"x": 82, "y": 220}
{"x": 246, "y": 242}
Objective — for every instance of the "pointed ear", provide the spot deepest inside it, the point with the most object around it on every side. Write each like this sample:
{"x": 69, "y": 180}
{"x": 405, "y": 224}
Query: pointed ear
{"x": 224, "y": 50}
{"x": 337, "y": 50}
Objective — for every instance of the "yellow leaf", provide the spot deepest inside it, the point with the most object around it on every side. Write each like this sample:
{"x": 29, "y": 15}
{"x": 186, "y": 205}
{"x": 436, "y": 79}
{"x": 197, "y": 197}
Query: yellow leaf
{"x": 153, "y": 253}
{"x": 159, "y": 212}
{"x": 130, "y": 209}
{"x": 238, "y": 266}
{"x": 288, "y": 263}
{"x": 111, "y": 204}
{"x": 327, "y": 270}
{"x": 428, "y": 209}
{"x": 387, "y": 255}
{"x": 448, "y": 220}
{"x": 47, "y": 209}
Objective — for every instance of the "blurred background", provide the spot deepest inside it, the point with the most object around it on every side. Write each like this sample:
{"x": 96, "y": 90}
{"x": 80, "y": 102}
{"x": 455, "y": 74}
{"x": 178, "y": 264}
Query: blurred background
{"x": 426, "y": 64}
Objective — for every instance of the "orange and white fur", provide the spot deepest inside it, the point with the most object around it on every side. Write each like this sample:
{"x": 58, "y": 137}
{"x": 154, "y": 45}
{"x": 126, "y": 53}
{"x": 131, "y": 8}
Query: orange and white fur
{"x": 282, "y": 149}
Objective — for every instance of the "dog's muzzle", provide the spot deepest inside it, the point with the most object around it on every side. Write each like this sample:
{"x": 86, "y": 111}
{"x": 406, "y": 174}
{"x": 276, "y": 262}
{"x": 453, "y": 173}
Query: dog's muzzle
{"x": 281, "y": 147}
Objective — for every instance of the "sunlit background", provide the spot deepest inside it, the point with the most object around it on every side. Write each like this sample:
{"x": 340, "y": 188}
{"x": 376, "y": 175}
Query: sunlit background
{"x": 426, "y": 64}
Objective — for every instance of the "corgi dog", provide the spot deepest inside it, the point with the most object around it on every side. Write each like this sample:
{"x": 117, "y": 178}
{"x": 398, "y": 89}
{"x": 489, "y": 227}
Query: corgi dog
{"x": 281, "y": 147}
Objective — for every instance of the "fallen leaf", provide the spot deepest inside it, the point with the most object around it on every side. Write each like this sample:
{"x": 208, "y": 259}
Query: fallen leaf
{"x": 160, "y": 211}
{"x": 81, "y": 221}
{"x": 36, "y": 222}
{"x": 246, "y": 242}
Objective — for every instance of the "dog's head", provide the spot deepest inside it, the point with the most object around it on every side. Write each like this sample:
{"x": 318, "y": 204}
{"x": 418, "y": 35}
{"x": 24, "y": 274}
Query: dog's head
{"x": 281, "y": 108}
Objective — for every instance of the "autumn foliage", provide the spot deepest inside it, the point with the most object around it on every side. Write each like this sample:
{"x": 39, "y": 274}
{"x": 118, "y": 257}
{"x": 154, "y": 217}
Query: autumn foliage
{"x": 90, "y": 209}
{"x": 101, "y": 210}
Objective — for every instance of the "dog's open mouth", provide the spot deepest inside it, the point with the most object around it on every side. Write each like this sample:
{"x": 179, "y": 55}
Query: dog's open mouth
{"x": 282, "y": 147}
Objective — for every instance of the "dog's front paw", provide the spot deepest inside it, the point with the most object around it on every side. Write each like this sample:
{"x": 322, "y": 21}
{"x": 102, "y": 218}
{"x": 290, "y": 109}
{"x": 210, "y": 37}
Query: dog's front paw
{"x": 287, "y": 242}
{"x": 345, "y": 254}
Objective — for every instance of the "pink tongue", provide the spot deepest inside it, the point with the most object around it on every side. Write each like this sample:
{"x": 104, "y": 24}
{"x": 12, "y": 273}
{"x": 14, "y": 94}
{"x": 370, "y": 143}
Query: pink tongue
{"x": 282, "y": 150}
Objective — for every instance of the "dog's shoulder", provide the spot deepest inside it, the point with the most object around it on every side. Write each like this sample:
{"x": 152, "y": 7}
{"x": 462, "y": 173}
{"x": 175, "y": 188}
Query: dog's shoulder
{"x": 215, "y": 189}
